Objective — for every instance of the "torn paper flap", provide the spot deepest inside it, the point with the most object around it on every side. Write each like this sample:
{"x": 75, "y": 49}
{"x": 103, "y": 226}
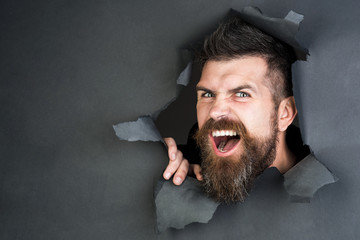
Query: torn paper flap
{"x": 295, "y": 19}
{"x": 305, "y": 178}
{"x": 143, "y": 129}
{"x": 283, "y": 29}
{"x": 178, "y": 206}
{"x": 183, "y": 79}
{"x": 185, "y": 75}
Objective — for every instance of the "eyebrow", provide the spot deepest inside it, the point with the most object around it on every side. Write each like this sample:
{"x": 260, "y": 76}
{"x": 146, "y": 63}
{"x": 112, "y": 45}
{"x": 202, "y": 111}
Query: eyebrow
{"x": 237, "y": 89}
{"x": 199, "y": 88}
{"x": 242, "y": 87}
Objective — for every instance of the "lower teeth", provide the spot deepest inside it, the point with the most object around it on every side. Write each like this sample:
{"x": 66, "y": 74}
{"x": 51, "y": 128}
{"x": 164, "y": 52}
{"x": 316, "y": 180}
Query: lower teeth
{"x": 221, "y": 146}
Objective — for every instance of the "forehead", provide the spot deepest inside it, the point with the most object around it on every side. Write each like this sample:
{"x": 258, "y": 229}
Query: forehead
{"x": 230, "y": 73}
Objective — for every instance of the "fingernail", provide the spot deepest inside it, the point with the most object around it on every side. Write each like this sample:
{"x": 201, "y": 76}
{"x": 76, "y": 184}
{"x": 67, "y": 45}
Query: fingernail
{"x": 167, "y": 175}
{"x": 173, "y": 156}
{"x": 178, "y": 180}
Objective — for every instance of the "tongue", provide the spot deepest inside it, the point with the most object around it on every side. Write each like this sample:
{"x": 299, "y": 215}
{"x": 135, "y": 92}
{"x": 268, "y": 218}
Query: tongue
{"x": 230, "y": 144}
{"x": 225, "y": 146}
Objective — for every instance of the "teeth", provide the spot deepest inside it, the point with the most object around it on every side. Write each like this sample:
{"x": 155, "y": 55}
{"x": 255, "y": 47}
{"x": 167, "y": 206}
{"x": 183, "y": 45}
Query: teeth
{"x": 223, "y": 133}
{"x": 221, "y": 146}
{"x": 215, "y": 133}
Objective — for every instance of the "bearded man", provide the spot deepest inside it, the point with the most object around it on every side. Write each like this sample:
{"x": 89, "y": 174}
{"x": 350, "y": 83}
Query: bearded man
{"x": 245, "y": 107}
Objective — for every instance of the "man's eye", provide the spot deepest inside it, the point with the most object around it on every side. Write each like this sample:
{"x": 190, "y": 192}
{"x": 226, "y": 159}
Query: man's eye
{"x": 242, "y": 94}
{"x": 208, "y": 95}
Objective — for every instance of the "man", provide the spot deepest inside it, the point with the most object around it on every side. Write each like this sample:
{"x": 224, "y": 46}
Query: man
{"x": 244, "y": 107}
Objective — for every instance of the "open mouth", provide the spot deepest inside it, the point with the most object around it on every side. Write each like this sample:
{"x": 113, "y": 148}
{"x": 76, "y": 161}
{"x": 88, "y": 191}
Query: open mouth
{"x": 225, "y": 140}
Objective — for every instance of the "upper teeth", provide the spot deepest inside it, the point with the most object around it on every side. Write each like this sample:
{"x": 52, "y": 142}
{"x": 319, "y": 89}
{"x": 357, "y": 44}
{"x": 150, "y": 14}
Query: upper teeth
{"x": 220, "y": 133}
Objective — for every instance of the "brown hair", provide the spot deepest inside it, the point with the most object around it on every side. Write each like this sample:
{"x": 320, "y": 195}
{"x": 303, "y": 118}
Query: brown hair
{"x": 235, "y": 38}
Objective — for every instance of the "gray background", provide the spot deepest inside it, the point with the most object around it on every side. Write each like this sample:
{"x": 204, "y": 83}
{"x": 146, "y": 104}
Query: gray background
{"x": 72, "y": 69}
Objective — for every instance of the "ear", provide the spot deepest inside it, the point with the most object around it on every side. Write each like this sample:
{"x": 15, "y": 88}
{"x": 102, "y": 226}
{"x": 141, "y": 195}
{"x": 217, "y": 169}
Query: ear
{"x": 286, "y": 113}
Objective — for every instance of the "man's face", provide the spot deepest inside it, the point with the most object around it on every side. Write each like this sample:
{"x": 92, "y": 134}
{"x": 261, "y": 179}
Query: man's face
{"x": 237, "y": 125}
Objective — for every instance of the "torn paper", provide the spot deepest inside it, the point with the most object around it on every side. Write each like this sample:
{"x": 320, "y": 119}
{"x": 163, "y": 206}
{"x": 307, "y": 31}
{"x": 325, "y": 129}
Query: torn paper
{"x": 305, "y": 178}
{"x": 144, "y": 128}
{"x": 178, "y": 206}
{"x": 283, "y": 29}
{"x": 185, "y": 75}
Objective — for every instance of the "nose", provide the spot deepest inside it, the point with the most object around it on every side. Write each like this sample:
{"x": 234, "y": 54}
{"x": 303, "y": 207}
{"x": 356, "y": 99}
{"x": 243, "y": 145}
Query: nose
{"x": 220, "y": 109}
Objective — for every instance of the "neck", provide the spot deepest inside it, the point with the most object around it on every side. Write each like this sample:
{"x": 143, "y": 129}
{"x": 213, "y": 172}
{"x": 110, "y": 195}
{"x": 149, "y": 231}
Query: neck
{"x": 285, "y": 159}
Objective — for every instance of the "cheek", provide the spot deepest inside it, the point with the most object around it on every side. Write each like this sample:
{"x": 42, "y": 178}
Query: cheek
{"x": 202, "y": 113}
{"x": 256, "y": 119}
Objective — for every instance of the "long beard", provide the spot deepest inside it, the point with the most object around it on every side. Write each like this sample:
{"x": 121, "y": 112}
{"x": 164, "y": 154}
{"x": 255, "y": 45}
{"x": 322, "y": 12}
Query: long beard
{"x": 229, "y": 179}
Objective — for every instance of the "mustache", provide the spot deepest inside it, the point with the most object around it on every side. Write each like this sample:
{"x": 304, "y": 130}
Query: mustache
{"x": 222, "y": 124}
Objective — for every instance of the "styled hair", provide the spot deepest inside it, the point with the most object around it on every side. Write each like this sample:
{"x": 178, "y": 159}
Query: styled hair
{"x": 235, "y": 39}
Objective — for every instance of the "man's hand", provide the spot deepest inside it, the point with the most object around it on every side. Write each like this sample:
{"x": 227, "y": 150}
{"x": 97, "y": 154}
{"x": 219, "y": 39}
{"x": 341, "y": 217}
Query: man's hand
{"x": 178, "y": 165}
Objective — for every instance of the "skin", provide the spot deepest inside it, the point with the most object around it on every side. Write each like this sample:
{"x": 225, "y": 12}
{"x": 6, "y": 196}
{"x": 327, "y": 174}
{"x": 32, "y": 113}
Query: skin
{"x": 236, "y": 90}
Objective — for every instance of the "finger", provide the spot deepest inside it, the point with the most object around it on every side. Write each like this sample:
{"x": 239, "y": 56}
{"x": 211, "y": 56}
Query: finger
{"x": 197, "y": 171}
{"x": 173, "y": 165}
{"x": 172, "y": 148}
{"x": 181, "y": 172}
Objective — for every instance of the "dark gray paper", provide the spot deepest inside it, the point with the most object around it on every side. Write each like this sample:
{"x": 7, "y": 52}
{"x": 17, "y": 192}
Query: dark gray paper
{"x": 283, "y": 29}
{"x": 71, "y": 69}
{"x": 305, "y": 178}
{"x": 144, "y": 129}
{"x": 178, "y": 206}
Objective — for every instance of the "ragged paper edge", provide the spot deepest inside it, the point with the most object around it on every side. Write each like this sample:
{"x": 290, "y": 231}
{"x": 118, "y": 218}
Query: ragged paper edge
{"x": 144, "y": 128}
{"x": 201, "y": 211}
{"x": 304, "y": 179}
{"x": 283, "y": 29}
{"x": 290, "y": 26}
